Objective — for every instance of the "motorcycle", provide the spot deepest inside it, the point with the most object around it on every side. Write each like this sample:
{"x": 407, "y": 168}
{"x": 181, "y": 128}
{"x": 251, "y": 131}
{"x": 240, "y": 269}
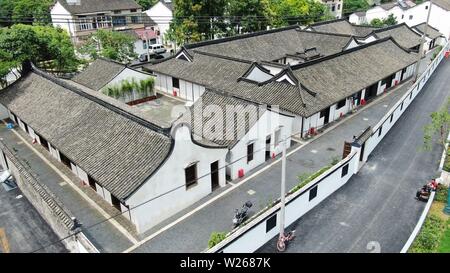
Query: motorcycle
{"x": 240, "y": 216}
{"x": 284, "y": 240}
{"x": 424, "y": 193}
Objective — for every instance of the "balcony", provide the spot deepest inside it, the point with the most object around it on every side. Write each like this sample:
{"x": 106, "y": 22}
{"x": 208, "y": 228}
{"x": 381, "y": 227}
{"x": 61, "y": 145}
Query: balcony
{"x": 87, "y": 25}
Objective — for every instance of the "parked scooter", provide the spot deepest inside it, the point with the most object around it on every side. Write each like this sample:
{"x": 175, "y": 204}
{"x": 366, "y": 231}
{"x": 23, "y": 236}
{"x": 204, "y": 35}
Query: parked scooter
{"x": 240, "y": 216}
{"x": 424, "y": 193}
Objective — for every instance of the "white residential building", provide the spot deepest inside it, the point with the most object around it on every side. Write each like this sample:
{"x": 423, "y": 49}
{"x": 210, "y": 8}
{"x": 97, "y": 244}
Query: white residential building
{"x": 162, "y": 14}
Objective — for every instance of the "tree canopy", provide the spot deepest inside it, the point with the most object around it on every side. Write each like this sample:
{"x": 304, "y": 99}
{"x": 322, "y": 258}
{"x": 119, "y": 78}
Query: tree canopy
{"x": 351, "y": 6}
{"x": 196, "y": 20}
{"x": 146, "y": 4}
{"x": 113, "y": 45}
{"x": 389, "y": 21}
{"x": 46, "y": 46}
{"x": 25, "y": 11}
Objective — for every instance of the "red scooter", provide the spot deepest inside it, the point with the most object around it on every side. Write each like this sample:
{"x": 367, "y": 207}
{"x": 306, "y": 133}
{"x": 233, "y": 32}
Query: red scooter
{"x": 424, "y": 193}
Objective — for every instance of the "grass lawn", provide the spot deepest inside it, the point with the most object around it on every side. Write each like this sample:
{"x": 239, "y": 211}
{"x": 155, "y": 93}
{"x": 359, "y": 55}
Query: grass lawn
{"x": 434, "y": 237}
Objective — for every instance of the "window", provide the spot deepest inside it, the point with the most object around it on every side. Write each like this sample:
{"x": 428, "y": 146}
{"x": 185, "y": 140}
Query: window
{"x": 144, "y": 44}
{"x": 333, "y": 7}
{"x": 277, "y": 137}
{"x": 341, "y": 103}
{"x": 312, "y": 193}
{"x": 271, "y": 223}
{"x": 384, "y": 81}
{"x": 134, "y": 19}
{"x": 133, "y": 10}
{"x": 410, "y": 17}
{"x": 191, "y": 175}
{"x": 176, "y": 83}
{"x": 392, "y": 117}
{"x": 410, "y": 96}
{"x": 339, "y": 6}
{"x": 323, "y": 113}
{"x": 401, "y": 107}
{"x": 344, "y": 171}
{"x": 250, "y": 152}
{"x": 117, "y": 12}
{"x": 426, "y": 7}
{"x": 380, "y": 130}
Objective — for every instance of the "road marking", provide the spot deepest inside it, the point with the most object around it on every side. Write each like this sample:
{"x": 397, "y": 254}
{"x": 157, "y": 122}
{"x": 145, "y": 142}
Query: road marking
{"x": 251, "y": 192}
{"x": 314, "y": 151}
{"x": 19, "y": 196}
{"x": 4, "y": 241}
{"x": 63, "y": 183}
{"x": 80, "y": 192}
{"x": 365, "y": 119}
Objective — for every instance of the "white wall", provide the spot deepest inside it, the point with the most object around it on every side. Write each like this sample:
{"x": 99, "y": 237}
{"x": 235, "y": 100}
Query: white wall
{"x": 62, "y": 18}
{"x": 440, "y": 19}
{"x": 267, "y": 124}
{"x": 162, "y": 16}
{"x": 188, "y": 90}
{"x": 171, "y": 176}
{"x": 357, "y": 20}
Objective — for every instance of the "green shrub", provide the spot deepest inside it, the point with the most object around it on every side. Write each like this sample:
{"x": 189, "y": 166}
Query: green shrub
{"x": 215, "y": 238}
{"x": 429, "y": 236}
{"x": 441, "y": 194}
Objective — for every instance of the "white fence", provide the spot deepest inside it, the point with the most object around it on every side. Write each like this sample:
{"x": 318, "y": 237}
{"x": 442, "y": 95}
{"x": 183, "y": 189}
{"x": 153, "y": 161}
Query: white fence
{"x": 265, "y": 226}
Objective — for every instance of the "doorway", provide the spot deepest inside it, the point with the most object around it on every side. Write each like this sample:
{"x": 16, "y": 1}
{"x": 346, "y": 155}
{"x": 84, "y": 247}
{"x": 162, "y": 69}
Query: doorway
{"x": 371, "y": 92}
{"x": 326, "y": 115}
{"x": 92, "y": 183}
{"x": 389, "y": 81}
{"x": 268, "y": 139}
{"x": 214, "y": 175}
{"x": 115, "y": 202}
{"x": 361, "y": 155}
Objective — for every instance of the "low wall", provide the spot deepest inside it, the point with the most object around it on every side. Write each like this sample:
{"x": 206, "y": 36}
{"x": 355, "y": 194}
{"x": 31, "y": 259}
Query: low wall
{"x": 265, "y": 226}
{"x": 46, "y": 203}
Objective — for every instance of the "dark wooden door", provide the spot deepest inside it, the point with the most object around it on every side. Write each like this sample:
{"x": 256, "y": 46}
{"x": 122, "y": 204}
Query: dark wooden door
{"x": 215, "y": 175}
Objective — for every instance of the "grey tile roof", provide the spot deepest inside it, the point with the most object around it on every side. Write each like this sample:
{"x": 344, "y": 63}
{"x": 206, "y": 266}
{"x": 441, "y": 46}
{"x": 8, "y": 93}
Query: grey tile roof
{"x": 99, "y": 73}
{"x": 401, "y": 33}
{"x": 88, "y": 6}
{"x": 168, "y": 4}
{"x": 116, "y": 148}
{"x": 342, "y": 26}
{"x": 332, "y": 78}
{"x": 272, "y": 45}
{"x": 445, "y": 4}
{"x": 432, "y": 33}
{"x": 218, "y": 129}
{"x": 337, "y": 77}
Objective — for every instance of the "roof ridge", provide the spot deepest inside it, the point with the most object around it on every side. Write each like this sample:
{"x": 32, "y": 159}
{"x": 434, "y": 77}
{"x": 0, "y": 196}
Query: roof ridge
{"x": 239, "y": 36}
{"x": 329, "y": 22}
{"x": 348, "y": 51}
{"x": 222, "y": 57}
{"x": 324, "y": 33}
{"x": 101, "y": 102}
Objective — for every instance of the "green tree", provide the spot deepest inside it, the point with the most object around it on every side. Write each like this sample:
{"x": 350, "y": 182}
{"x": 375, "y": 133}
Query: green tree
{"x": 304, "y": 12}
{"x": 250, "y": 15}
{"x": 146, "y": 4}
{"x": 351, "y": 6}
{"x": 43, "y": 45}
{"x": 440, "y": 124}
{"x": 390, "y": 20}
{"x": 377, "y": 22}
{"x": 25, "y": 11}
{"x": 196, "y": 20}
{"x": 110, "y": 44}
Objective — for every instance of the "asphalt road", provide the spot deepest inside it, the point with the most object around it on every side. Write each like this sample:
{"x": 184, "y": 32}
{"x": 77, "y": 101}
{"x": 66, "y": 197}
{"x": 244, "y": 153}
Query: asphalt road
{"x": 22, "y": 229}
{"x": 376, "y": 210}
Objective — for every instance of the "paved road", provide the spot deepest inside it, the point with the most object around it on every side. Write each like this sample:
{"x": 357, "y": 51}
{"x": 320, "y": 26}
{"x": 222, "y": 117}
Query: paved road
{"x": 105, "y": 236}
{"x": 192, "y": 234}
{"x": 22, "y": 229}
{"x": 378, "y": 204}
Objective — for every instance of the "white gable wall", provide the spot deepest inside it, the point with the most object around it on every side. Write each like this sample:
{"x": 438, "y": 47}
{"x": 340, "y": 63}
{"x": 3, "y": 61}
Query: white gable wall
{"x": 267, "y": 124}
{"x": 188, "y": 90}
{"x": 171, "y": 178}
{"x": 162, "y": 16}
{"x": 62, "y": 18}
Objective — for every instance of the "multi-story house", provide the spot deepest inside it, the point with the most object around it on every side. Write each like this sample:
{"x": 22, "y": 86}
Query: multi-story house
{"x": 334, "y": 6}
{"x": 83, "y": 17}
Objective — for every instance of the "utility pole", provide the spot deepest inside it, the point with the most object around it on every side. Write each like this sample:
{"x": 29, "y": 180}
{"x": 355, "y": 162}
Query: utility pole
{"x": 422, "y": 41}
{"x": 283, "y": 190}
